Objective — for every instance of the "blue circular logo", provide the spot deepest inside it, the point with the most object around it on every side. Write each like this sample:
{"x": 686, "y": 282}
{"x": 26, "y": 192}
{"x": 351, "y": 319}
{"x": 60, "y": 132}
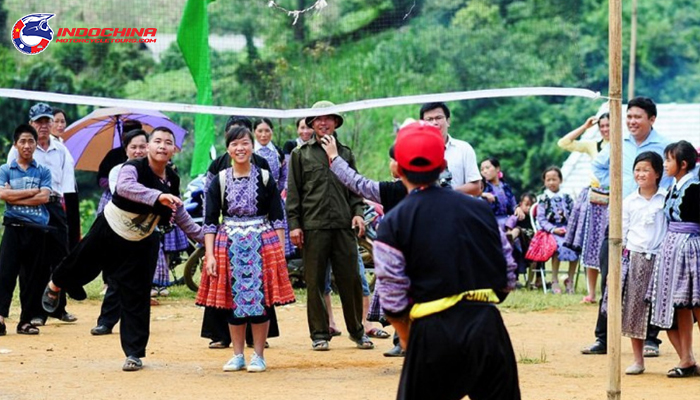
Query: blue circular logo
{"x": 32, "y": 34}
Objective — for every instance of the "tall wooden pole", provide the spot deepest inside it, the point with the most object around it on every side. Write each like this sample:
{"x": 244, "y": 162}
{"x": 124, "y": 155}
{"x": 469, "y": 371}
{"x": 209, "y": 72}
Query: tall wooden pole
{"x": 633, "y": 52}
{"x": 615, "y": 230}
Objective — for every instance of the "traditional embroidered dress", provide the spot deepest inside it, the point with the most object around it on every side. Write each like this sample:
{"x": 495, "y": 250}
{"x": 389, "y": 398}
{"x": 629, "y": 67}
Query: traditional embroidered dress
{"x": 553, "y": 212}
{"x": 252, "y": 271}
{"x": 504, "y": 206}
{"x": 585, "y": 230}
{"x": 676, "y": 279}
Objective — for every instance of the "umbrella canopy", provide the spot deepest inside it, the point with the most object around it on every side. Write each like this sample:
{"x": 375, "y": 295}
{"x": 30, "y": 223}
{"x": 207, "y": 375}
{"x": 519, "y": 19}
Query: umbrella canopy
{"x": 90, "y": 138}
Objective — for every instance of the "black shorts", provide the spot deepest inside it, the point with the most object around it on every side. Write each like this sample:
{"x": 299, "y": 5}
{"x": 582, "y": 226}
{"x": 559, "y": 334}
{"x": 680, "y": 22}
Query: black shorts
{"x": 462, "y": 351}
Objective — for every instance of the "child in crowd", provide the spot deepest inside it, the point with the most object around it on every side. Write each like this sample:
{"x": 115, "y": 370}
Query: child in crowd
{"x": 674, "y": 292}
{"x": 553, "y": 209}
{"x": 520, "y": 232}
{"x": 643, "y": 231}
{"x": 496, "y": 191}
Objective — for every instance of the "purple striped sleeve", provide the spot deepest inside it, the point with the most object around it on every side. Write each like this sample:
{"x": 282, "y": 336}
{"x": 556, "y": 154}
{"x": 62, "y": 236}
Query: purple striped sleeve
{"x": 185, "y": 222}
{"x": 392, "y": 282}
{"x": 357, "y": 183}
{"x": 129, "y": 188}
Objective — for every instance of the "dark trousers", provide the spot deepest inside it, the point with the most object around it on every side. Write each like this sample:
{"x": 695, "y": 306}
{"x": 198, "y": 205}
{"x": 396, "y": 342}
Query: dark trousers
{"x": 129, "y": 264}
{"x": 601, "y": 326}
{"x": 340, "y": 248}
{"x": 72, "y": 202}
{"x": 215, "y": 326}
{"x": 462, "y": 351}
{"x": 111, "y": 309}
{"x": 22, "y": 253}
{"x": 56, "y": 249}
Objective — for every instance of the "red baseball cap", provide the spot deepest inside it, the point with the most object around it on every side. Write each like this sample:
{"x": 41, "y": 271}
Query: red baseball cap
{"x": 420, "y": 147}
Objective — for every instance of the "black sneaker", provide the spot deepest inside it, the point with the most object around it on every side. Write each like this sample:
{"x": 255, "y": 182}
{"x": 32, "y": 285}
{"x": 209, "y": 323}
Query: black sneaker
{"x": 595, "y": 348}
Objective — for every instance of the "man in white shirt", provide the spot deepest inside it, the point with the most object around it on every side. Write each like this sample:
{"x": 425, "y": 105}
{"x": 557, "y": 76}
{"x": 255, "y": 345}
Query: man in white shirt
{"x": 55, "y": 156}
{"x": 460, "y": 156}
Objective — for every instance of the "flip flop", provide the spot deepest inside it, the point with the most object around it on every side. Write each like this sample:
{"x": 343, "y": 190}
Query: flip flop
{"x": 378, "y": 333}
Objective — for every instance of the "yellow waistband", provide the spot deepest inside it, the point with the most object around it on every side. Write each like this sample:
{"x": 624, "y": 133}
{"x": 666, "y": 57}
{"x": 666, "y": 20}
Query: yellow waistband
{"x": 420, "y": 310}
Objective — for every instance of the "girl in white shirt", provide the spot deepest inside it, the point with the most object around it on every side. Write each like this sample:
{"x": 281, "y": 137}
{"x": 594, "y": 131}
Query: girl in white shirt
{"x": 643, "y": 231}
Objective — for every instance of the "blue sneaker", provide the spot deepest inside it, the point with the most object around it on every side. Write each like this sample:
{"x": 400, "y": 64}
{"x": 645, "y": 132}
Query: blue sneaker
{"x": 236, "y": 363}
{"x": 257, "y": 364}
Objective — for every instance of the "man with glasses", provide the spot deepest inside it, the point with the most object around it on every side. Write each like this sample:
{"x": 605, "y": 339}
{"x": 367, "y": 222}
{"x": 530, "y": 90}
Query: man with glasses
{"x": 460, "y": 156}
{"x": 53, "y": 155}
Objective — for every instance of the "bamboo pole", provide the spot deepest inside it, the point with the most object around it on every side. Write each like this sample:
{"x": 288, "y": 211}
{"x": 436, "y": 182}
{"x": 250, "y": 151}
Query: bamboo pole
{"x": 633, "y": 52}
{"x": 615, "y": 229}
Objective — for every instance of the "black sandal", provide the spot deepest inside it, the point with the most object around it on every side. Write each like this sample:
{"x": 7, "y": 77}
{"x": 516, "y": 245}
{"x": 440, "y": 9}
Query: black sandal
{"x": 132, "y": 364}
{"x": 27, "y": 328}
{"x": 50, "y": 299}
{"x": 686, "y": 372}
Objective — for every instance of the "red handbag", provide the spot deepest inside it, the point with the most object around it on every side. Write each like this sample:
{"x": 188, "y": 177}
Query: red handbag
{"x": 542, "y": 247}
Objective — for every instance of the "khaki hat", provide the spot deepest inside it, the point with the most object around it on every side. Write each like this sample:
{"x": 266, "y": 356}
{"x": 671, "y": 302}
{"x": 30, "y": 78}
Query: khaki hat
{"x": 323, "y": 104}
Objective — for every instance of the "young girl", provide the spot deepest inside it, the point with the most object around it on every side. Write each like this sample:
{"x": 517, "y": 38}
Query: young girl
{"x": 497, "y": 192}
{"x": 674, "y": 291}
{"x": 520, "y": 232}
{"x": 643, "y": 231}
{"x": 553, "y": 209}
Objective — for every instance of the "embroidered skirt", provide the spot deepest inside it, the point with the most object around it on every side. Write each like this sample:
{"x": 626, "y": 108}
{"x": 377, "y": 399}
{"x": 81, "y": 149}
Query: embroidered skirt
{"x": 586, "y": 229}
{"x": 676, "y": 279}
{"x": 162, "y": 274}
{"x": 251, "y": 269}
{"x": 175, "y": 240}
{"x": 564, "y": 253}
{"x": 636, "y": 274}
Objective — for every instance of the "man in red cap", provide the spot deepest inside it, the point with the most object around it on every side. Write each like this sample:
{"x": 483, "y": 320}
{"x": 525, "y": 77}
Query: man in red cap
{"x": 439, "y": 276}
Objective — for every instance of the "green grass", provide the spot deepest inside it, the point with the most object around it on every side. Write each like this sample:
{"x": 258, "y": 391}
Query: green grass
{"x": 526, "y": 359}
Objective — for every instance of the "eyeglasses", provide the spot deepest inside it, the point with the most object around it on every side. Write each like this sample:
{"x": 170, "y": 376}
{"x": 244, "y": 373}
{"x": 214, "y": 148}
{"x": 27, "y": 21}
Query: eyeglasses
{"x": 436, "y": 118}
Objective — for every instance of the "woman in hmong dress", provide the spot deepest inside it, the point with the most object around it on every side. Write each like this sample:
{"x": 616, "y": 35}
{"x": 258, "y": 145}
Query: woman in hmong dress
{"x": 674, "y": 290}
{"x": 245, "y": 267}
{"x": 589, "y": 218}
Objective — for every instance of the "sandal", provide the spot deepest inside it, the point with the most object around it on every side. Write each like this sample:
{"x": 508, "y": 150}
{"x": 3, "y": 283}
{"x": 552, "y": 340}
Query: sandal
{"x": 334, "y": 332}
{"x": 678, "y": 372}
{"x": 3, "y": 328}
{"x": 319, "y": 345}
{"x": 555, "y": 288}
{"x": 27, "y": 328}
{"x": 378, "y": 333}
{"x": 588, "y": 300}
{"x": 218, "y": 345}
{"x": 132, "y": 364}
{"x": 651, "y": 351}
{"x": 363, "y": 343}
{"x": 50, "y": 299}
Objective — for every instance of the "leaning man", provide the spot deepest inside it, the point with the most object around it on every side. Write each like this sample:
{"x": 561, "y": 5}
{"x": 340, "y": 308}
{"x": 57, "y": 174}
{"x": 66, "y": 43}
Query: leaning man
{"x": 439, "y": 280}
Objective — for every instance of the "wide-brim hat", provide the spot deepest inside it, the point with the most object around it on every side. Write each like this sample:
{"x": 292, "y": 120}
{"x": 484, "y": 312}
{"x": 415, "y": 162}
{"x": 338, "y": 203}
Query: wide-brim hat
{"x": 324, "y": 104}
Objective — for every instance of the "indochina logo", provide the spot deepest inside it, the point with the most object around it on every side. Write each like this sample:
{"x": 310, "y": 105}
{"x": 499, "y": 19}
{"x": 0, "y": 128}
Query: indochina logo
{"x": 32, "y": 33}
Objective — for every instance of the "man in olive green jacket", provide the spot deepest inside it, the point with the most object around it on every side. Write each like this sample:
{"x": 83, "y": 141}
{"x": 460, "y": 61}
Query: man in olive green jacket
{"x": 321, "y": 214}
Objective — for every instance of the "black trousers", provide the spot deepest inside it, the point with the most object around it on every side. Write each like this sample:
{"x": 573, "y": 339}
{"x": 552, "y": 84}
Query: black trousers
{"x": 57, "y": 250}
{"x": 129, "y": 264}
{"x": 462, "y": 351}
{"x": 72, "y": 202}
{"x": 111, "y": 309}
{"x": 601, "y": 326}
{"x": 23, "y": 255}
{"x": 340, "y": 248}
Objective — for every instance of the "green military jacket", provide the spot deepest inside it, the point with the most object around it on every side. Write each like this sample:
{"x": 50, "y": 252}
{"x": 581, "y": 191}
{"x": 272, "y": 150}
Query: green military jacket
{"x": 315, "y": 197}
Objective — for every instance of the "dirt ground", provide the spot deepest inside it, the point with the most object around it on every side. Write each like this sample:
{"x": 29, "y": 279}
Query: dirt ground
{"x": 66, "y": 362}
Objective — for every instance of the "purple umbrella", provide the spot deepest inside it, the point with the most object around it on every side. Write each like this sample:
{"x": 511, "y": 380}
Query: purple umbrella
{"x": 90, "y": 138}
